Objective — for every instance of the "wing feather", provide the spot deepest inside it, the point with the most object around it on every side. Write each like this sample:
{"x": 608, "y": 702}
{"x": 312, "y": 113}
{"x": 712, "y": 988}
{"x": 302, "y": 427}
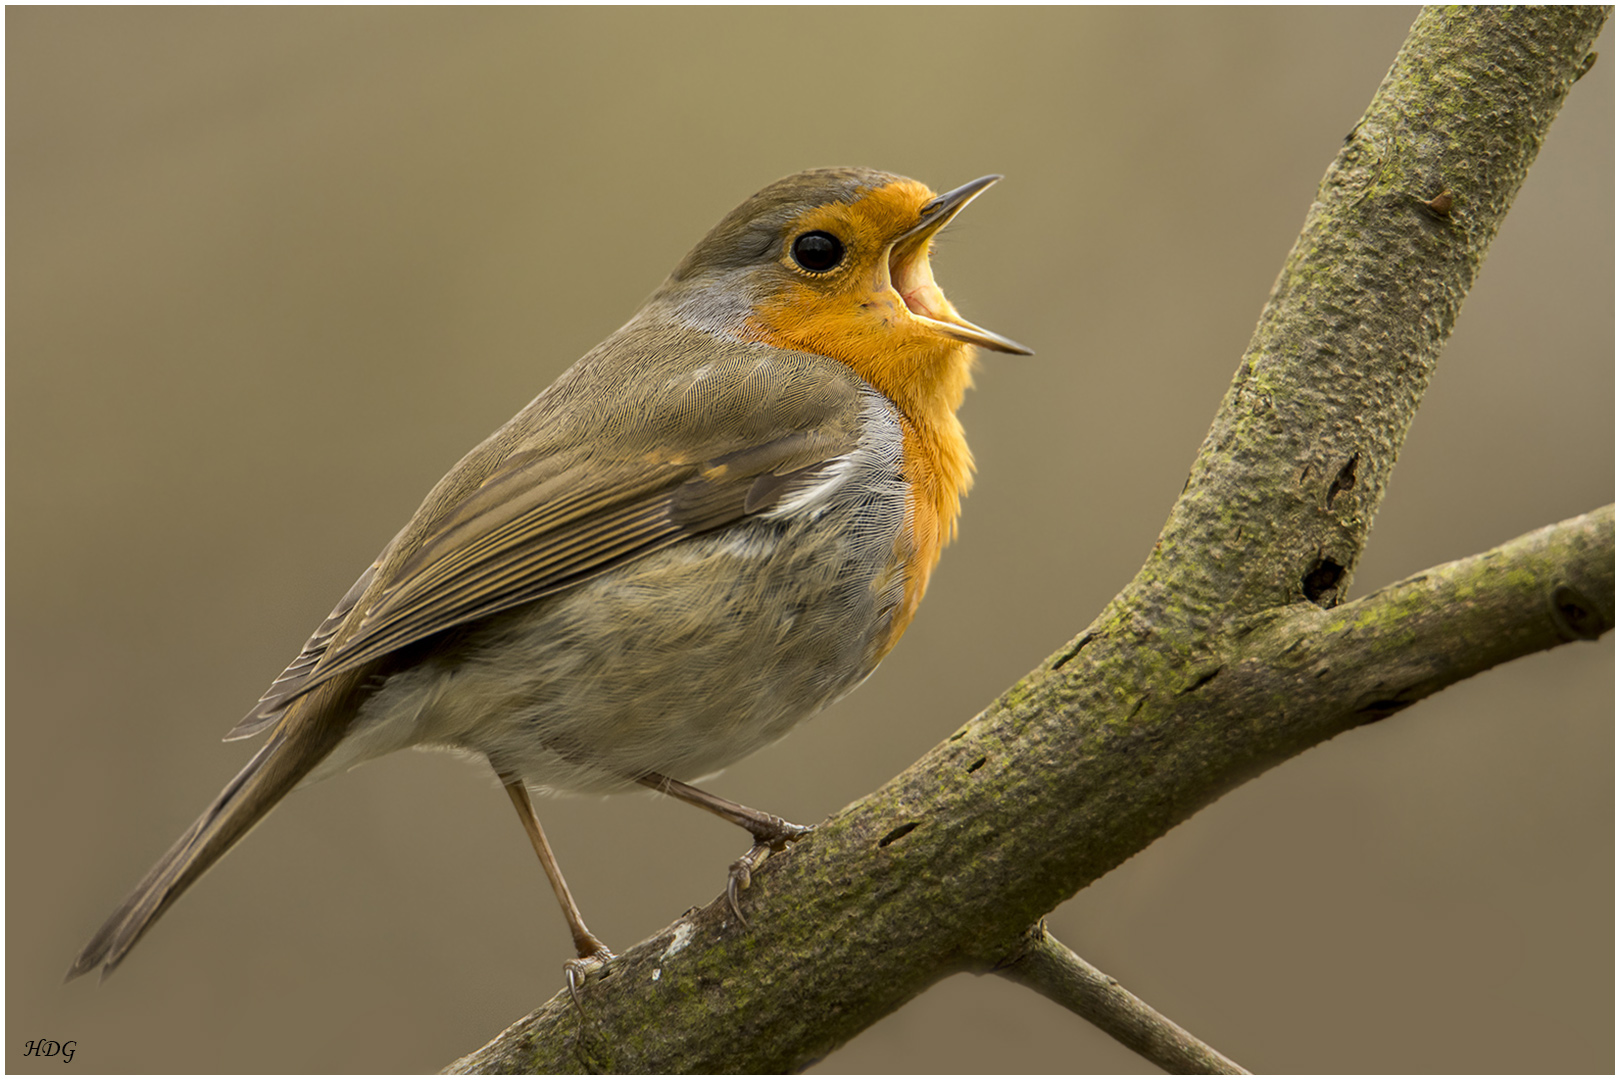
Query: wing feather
{"x": 298, "y": 672}
{"x": 512, "y": 542}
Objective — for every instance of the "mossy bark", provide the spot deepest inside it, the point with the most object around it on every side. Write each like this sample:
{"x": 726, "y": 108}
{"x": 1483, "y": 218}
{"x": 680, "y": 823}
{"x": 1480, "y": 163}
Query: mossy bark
{"x": 1231, "y": 650}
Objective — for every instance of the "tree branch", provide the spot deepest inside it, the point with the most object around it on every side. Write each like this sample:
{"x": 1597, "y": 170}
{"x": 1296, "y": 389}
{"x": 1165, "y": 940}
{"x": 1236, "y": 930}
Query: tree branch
{"x": 1369, "y": 659}
{"x": 1227, "y": 654}
{"x": 1372, "y": 657}
{"x": 1053, "y": 970}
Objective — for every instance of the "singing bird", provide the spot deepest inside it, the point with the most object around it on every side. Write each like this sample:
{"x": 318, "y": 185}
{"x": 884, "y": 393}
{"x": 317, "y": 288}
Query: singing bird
{"x": 712, "y": 526}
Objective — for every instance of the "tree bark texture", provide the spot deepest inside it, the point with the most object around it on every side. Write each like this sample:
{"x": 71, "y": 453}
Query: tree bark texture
{"x": 1231, "y": 650}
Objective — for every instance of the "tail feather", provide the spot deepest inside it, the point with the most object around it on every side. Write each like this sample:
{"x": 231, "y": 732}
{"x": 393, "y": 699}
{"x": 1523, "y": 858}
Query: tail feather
{"x": 274, "y": 771}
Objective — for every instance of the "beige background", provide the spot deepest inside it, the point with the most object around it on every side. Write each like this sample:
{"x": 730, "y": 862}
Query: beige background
{"x": 273, "y": 271}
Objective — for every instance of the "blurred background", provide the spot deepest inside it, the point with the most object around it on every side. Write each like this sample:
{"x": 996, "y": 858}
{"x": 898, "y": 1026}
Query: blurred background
{"x": 272, "y": 271}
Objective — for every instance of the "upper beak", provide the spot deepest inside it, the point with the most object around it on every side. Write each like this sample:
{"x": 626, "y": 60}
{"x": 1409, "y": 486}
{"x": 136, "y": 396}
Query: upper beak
{"x": 913, "y": 278}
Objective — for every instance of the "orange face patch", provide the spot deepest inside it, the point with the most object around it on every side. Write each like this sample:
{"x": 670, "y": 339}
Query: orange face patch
{"x": 856, "y": 312}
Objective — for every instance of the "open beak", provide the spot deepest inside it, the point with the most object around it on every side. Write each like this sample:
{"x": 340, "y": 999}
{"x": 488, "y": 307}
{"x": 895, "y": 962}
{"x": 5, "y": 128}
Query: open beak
{"x": 913, "y": 278}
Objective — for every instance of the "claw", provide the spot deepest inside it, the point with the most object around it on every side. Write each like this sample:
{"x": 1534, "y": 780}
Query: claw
{"x": 774, "y": 836}
{"x": 742, "y": 876}
{"x": 579, "y": 971}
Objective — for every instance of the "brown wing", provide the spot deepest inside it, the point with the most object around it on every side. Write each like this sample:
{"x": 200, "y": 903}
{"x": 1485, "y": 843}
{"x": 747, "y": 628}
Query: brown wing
{"x": 530, "y": 530}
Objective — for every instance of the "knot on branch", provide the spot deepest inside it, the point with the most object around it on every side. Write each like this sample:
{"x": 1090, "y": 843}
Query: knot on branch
{"x": 1321, "y": 582}
{"x": 1577, "y": 617}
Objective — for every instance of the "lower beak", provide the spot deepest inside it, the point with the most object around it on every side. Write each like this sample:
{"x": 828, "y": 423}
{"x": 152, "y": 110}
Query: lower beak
{"x": 913, "y": 277}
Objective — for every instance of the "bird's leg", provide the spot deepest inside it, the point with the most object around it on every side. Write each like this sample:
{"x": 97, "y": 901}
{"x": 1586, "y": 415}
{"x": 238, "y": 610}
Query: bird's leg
{"x": 592, "y": 954}
{"x": 770, "y": 832}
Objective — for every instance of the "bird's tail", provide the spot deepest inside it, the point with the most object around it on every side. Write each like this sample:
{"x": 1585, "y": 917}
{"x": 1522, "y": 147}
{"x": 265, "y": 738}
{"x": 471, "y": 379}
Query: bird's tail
{"x": 275, "y": 770}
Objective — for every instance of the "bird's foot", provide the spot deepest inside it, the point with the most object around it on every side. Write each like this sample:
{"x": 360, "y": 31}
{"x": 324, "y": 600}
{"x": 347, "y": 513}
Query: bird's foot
{"x": 771, "y": 833}
{"x": 584, "y": 967}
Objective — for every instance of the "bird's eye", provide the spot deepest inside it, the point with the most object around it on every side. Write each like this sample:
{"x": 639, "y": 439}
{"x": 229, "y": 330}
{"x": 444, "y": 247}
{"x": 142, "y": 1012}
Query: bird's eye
{"x": 818, "y": 251}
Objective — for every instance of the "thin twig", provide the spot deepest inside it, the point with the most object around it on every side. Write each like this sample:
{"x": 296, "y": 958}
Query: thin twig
{"x": 1050, "y": 968}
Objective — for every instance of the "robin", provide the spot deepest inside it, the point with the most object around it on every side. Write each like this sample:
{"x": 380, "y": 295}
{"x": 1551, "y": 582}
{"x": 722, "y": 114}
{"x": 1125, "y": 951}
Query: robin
{"x": 712, "y": 526}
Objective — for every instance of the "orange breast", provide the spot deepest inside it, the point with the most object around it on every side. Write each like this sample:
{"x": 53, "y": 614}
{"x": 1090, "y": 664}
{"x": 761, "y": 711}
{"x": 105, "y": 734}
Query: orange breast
{"x": 927, "y": 387}
{"x": 939, "y": 472}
